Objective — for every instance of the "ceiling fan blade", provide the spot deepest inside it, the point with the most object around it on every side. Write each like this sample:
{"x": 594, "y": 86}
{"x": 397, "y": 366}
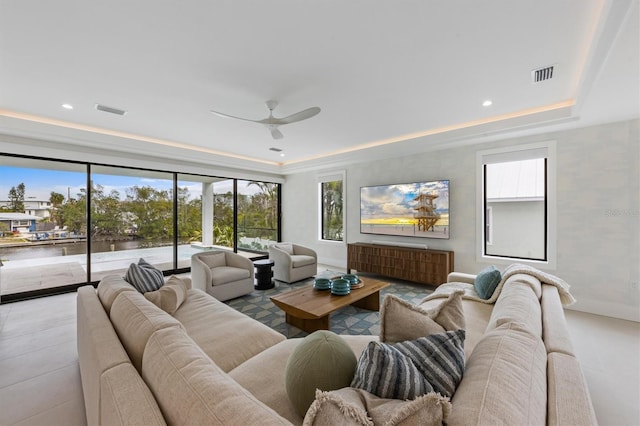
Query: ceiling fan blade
{"x": 221, "y": 114}
{"x": 276, "y": 134}
{"x": 299, "y": 116}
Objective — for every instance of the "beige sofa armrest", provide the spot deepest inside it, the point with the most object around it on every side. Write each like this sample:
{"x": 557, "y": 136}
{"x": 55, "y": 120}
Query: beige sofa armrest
{"x": 461, "y": 277}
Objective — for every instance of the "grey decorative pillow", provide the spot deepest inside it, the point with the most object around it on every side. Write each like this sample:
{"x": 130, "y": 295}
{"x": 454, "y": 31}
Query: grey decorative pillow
{"x": 407, "y": 370}
{"x": 144, "y": 276}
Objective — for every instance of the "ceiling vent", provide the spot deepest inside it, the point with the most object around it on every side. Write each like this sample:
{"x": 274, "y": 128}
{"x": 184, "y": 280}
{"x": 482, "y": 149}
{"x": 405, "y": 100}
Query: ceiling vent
{"x": 275, "y": 149}
{"x": 542, "y": 74}
{"x": 110, "y": 110}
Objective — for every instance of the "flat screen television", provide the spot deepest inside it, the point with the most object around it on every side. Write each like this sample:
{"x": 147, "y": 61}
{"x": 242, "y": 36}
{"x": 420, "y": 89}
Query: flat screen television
{"x": 418, "y": 209}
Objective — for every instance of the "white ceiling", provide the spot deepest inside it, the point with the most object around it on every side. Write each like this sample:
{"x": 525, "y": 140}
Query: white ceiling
{"x": 391, "y": 77}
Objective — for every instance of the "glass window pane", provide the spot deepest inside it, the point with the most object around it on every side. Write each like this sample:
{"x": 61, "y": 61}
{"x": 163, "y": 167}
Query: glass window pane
{"x": 223, "y": 231}
{"x": 331, "y": 197}
{"x": 515, "y": 219}
{"x": 131, "y": 218}
{"x": 42, "y": 225}
{"x": 205, "y": 215}
{"x": 257, "y": 215}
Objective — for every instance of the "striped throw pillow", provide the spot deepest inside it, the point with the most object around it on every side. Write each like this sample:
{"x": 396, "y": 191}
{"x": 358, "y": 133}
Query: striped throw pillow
{"x": 144, "y": 276}
{"x": 409, "y": 369}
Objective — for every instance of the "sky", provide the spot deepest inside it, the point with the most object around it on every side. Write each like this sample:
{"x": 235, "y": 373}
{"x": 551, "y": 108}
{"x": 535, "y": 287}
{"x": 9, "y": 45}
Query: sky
{"x": 39, "y": 183}
{"x": 393, "y": 201}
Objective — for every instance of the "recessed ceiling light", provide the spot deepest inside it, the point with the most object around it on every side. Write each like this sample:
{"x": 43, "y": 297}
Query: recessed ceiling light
{"x": 487, "y": 103}
{"x": 67, "y": 106}
{"x": 282, "y": 154}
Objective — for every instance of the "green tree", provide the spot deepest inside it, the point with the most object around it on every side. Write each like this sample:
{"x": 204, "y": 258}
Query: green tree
{"x": 107, "y": 221}
{"x": 16, "y": 198}
{"x": 152, "y": 212}
{"x": 73, "y": 213}
{"x": 189, "y": 216}
{"x": 56, "y": 199}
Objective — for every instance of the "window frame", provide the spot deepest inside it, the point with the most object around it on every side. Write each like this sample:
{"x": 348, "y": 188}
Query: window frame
{"x": 333, "y": 176}
{"x": 517, "y": 152}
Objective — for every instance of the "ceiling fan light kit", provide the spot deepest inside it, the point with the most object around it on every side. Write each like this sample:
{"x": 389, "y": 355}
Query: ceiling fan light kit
{"x": 272, "y": 123}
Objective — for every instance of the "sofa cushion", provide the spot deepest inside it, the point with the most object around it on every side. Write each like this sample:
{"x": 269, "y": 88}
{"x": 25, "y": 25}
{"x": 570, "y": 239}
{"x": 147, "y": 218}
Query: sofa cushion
{"x": 300, "y": 260}
{"x": 213, "y": 260}
{"x": 227, "y": 274}
{"x": 125, "y": 399}
{"x": 144, "y": 276}
{"x": 401, "y": 320}
{"x": 216, "y": 327}
{"x": 505, "y": 381}
{"x": 268, "y": 384}
{"x": 191, "y": 389}
{"x": 99, "y": 348}
{"x": 109, "y": 288}
{"x": 323, "y": 360}
{"x": 135, "y": 319}
{"x": 486, "y": 281}
{"x": 517, "y": 303}
{"x": 351, "y": 406}
{"x": 170, "y": 296}
{"x": 406, "y": 370}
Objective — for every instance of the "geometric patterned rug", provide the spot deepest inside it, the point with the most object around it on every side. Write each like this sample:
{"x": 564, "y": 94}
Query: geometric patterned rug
{"x": 347, "y": 320}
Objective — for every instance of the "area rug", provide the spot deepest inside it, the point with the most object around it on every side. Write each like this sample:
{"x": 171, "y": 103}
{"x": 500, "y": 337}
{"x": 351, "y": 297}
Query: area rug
{"x": 348, "y": 320}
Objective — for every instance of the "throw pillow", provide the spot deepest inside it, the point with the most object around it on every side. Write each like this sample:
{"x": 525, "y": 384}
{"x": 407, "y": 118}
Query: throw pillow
{"x": 487, "y": 281}
{"x": 170, "y": 296}
{"x": 322, "y": 360}
{"x": 358, "y": 407}
{"x": 400, "y": 320}
{"x": 144, "y": 276}
{"x": 406, "y": 370}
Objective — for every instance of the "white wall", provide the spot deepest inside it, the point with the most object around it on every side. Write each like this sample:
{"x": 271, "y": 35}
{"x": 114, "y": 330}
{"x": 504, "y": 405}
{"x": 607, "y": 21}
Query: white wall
{"x": 598, "y": 193}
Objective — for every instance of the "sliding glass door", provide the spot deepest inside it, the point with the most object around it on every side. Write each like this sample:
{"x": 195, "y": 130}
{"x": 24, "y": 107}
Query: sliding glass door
{"x": 131, "y": 219}
{"x": 42, "y": 225}
{"x": 63, "y": 224}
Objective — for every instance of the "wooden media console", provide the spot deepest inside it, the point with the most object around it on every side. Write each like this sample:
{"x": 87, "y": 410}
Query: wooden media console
{"x": 405, "y": 263}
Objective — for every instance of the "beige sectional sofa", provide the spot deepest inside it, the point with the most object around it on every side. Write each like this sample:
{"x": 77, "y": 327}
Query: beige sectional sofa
{"x": 209, "y": 364}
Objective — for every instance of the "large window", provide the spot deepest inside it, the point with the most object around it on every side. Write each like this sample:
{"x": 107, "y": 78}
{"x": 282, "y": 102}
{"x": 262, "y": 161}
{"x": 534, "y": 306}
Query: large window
{"x": 517, "y": 203}
{"x": 64, "y": 223}
{"x": 131, "y": 218}
{"x": 257, "y": 215}
{"x": 331, "y": 190}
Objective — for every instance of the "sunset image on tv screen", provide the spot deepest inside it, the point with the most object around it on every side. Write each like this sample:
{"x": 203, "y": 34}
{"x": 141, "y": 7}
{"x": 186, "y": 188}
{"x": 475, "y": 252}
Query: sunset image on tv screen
{"x": 418, "y": 209}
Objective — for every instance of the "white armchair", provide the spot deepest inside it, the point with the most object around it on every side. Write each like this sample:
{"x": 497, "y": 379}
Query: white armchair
{"x": 222, "y": 274}
{"x": 293, "y": 262}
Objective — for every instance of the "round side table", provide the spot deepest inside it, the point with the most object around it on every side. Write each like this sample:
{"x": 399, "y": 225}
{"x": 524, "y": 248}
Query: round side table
{"x": 264, "y": 274}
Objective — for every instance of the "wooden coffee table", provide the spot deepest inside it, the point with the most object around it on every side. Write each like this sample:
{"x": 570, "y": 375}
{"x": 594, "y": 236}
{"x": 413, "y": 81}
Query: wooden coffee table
{"x": 309, "y": 309}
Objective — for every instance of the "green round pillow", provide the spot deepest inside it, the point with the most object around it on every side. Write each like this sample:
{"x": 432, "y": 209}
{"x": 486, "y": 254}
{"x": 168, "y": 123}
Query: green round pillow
{"x": 324, "y": 361}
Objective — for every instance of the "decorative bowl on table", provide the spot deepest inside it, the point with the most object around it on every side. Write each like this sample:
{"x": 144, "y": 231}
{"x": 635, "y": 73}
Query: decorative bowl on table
{"x": 340, "y": 287}
{"x": 322, "y": 284}
{"x": 352, "y": 278}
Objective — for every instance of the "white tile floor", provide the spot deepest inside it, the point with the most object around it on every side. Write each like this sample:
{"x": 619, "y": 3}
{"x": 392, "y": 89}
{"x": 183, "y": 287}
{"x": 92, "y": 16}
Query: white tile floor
{"x": 40, "y": 380}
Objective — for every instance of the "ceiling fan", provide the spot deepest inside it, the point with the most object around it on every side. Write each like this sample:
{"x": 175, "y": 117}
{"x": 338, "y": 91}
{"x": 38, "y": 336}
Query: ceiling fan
{"x": 272, "y": 122}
